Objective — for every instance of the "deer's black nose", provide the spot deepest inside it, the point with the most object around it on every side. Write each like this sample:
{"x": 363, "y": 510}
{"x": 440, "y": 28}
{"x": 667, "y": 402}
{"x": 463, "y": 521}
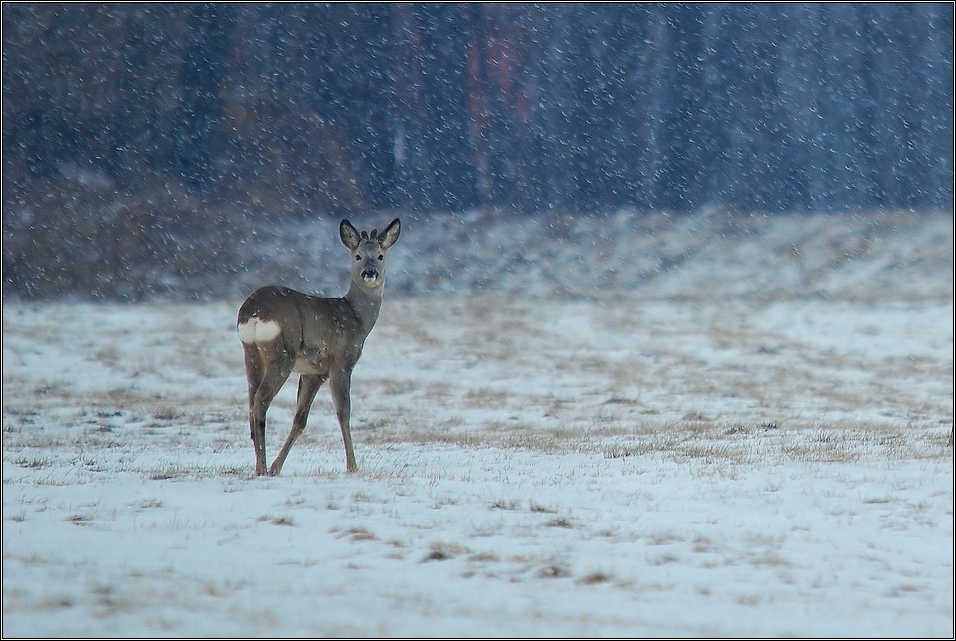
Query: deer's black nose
{"x": 370, "y": 274}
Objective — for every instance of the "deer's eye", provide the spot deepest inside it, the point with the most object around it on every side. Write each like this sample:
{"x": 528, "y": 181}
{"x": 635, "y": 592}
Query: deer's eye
{"x": 357, "y": 257}
{"x": 381, "y": 256}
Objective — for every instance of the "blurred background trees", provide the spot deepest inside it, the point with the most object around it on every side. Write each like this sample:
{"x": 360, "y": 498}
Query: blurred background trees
{"x": 158, "y": 122}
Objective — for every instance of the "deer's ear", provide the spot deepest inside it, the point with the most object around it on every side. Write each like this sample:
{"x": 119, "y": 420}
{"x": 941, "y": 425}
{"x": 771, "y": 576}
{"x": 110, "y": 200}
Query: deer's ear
{"x": 349, "y": 235}
{"x": 390, "y": 234}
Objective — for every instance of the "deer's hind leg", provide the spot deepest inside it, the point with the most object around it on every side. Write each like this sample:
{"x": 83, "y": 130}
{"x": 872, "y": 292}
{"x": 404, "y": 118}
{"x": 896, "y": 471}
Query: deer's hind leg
{"x": 267, "y": 368}
{"x": 309, "y": 384}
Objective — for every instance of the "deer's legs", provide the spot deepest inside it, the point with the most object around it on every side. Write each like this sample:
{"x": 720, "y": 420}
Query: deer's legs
{"x": 340, "y": 383}
{"x": 308, "y": 386}
{"x": 264, "y": 384}
{"x": 254, "y": 373}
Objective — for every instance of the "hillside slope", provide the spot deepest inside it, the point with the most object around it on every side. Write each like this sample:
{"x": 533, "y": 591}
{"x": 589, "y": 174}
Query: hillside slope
{"x": 903, "y": 256}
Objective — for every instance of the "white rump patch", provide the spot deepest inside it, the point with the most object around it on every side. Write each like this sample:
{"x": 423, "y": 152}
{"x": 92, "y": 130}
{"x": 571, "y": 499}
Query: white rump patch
{"x": 256, "y": 330}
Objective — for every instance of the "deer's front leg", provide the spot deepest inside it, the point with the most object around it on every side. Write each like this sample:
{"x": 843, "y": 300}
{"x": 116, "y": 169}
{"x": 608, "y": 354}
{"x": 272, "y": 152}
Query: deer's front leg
{"x": 340, "y": 384}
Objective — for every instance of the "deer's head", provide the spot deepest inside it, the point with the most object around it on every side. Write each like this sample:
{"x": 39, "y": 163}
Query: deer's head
{"x": 369, "y": 249}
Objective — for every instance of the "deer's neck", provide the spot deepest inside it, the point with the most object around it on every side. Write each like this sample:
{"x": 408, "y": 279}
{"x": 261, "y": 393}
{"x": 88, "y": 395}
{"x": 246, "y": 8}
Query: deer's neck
{"x": 366, "y": 304}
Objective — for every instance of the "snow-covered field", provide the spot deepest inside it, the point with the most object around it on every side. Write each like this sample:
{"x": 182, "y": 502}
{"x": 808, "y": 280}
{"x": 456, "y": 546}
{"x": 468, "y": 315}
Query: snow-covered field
{"x": 707, "y": 426}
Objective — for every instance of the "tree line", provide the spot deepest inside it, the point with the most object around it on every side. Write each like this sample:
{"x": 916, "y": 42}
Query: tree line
{"x": 301, "y": 107}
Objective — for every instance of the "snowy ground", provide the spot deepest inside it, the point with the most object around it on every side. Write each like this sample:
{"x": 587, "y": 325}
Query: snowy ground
{"x": 744, "y": 437}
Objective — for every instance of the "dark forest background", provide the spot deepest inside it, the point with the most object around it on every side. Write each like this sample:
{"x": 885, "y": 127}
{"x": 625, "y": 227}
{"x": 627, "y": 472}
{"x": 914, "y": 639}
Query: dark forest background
{"x": 133, "y": 132}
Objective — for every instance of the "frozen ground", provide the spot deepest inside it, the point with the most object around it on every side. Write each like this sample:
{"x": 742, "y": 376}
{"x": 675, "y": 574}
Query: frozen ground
{"x": 705, "y": 426}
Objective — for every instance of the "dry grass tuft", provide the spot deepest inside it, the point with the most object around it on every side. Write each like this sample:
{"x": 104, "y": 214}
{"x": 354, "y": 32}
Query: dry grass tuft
{"x": 443, "y": 551}
{"x": 553, "y": 571}
{"x": 595, "y": 577}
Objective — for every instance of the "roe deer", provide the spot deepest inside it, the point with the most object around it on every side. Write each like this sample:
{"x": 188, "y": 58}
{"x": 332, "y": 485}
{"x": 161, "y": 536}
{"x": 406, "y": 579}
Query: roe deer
{"x": 285, "y": 331}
